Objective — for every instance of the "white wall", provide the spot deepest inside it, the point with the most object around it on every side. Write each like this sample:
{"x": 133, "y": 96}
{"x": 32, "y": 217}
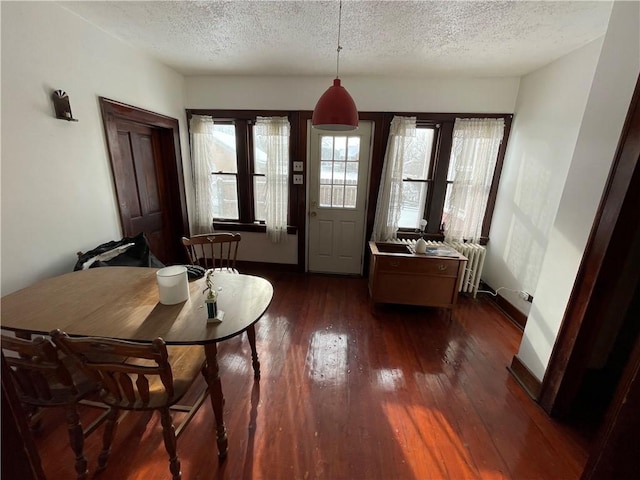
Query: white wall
{"x": 386, "y": 94}
{"x": 257, "y": 248}
{"x": 57, "y": 189}
{"x": 548, "y": 114}
{"x": 615, "y": 77}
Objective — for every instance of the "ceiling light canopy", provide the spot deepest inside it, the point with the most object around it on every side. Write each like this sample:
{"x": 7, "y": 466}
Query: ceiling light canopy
{"x": 335, "y": 109}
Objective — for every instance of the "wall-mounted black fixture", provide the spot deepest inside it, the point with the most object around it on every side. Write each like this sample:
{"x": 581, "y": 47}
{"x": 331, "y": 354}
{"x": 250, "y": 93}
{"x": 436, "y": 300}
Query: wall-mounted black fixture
{"x": 62, "y": 105}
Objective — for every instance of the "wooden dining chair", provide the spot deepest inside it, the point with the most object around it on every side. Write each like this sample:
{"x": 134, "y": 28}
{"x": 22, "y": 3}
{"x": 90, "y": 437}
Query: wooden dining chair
{"x": 213, "y": 250}
{"x": 140, "y": 377}
{"x": 44, "y": 378}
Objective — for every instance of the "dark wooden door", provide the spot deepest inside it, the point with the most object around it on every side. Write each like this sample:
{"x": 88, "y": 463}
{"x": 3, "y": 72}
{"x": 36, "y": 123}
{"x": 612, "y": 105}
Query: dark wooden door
{"x": 141, "y": 187}
{"x": 144, "y": 149}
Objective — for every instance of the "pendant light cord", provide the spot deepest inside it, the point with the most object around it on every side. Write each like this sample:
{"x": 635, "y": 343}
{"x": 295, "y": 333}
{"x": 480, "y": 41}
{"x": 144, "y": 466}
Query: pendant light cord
{"x": 339, "y": 47}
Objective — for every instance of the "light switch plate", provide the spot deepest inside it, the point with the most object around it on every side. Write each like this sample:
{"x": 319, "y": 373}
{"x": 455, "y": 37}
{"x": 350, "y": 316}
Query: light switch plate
{"x": 297, "y": 179}
{"x": 297, "y": 166}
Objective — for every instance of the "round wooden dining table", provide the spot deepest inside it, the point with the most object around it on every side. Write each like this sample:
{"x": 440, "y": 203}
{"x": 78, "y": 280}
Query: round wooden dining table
{"x": 123, "y": 303}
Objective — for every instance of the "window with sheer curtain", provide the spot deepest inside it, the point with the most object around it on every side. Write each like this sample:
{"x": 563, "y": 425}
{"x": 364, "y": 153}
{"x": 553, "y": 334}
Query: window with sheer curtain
{"x": 203, "y": 164}
{"x": 474, "y": 152}
{"x": 271, "y": 140}
{"x": 390, "y": 195}
{"x": 426, "y": 182}
{"x": 240, "y": 172}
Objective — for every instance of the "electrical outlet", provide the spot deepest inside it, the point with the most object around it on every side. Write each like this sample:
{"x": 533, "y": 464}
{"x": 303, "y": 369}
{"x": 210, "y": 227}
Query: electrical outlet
{"x": 526, "y": 296}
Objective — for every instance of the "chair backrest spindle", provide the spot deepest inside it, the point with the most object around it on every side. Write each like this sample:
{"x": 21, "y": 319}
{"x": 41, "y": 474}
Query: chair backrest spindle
{"x": 124, "y": 369}
{"x": 213, "y": 250}
{"x": 36, "y": 369}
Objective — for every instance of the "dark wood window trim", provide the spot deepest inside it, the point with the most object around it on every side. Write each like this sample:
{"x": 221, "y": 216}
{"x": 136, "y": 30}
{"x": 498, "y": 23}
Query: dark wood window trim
{"x": 247, "y": 227}
{"x": 244, "y": 148}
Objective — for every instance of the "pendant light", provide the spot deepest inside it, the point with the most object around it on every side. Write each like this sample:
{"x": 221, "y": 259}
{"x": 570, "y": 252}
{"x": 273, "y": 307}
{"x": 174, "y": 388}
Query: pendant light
{"x": 335, "y": 109}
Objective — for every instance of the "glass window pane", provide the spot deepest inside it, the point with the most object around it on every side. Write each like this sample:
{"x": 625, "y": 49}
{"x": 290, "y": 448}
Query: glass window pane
{"x": 339, "y": 167}
{"x": 325, "y": 196}
{"x": 340, "y": 148}
{"x": 259, "y": 153}
{"x": 224, "y": 148}
{"x": 350, "y": 196}
{"x": 225, "y": 196}
{"x": 414, "y": 195}
{"x": 326, "y": 173}
{"x": 326, "y": 148}
{"x": 260, "y": 198}
{"x": 417, "y": 159}
{"x": 338, "y": 173}
{"x": 337, "y": 198}
{"x": 446, "y": 211}
{"x": 353, "y": 152}
{"x": 352, "y": 173}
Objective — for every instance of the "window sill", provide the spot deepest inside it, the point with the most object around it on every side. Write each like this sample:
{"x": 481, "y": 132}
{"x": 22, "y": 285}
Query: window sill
{"x": 247, "y": 227}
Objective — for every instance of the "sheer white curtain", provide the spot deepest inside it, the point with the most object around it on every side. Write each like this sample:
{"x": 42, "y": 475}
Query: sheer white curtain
{"x": 473, "y": 160}
{"x": 401, "y": 133}
{"x": 275, "y": 137}
{"x": 202, "y": 165}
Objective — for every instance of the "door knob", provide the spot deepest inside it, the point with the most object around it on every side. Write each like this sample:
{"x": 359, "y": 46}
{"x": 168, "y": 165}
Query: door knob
{"x": 312, "y": 214}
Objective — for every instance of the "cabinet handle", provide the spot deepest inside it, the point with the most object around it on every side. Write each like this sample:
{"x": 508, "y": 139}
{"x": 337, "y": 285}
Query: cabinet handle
{"x": 394, "y": 264}
{"x": 442, "y": 267}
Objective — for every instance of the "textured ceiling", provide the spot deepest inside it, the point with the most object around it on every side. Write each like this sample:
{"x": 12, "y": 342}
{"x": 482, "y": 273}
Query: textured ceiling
{"x": 412, "y": 38}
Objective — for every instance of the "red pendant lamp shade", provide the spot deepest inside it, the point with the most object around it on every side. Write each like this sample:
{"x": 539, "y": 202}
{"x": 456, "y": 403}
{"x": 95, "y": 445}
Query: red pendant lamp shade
{"x": 335, "y": 110}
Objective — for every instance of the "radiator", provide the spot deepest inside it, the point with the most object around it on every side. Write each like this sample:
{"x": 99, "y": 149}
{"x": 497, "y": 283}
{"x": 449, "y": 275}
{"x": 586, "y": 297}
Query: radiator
{"x": 475, "y": 253}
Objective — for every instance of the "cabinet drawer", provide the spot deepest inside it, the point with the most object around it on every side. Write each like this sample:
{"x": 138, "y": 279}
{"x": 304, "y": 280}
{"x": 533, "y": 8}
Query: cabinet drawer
{"x": 436, "y": 291}
{"x": 427, "y": 266}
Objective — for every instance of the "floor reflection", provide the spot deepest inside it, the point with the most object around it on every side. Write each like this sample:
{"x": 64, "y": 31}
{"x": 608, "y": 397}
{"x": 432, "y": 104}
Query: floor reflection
{"x": 327, "y": 357}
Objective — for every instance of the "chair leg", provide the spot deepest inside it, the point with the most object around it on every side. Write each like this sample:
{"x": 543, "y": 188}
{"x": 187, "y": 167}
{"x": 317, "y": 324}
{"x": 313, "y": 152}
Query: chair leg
{"x": 169, "y": 434}
{"x": 107, "y": 437}
{"x": 76, "y": 439}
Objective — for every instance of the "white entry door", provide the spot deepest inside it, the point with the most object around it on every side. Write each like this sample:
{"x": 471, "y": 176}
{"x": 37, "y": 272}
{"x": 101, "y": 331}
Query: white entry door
{"x": 338, "y": 183}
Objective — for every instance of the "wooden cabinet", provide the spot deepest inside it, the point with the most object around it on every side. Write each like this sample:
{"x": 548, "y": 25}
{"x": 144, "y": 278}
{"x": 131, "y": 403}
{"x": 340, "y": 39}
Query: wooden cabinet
{"x": 398, "y": 275}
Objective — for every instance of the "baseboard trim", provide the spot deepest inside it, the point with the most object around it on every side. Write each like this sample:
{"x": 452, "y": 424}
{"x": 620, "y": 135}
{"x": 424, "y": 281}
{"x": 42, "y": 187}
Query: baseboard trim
{"x": 519, "y": 318}
{"x": 515, "y": 315}
{"x": 277, "y": 267}
{"x": 525, "y": 378}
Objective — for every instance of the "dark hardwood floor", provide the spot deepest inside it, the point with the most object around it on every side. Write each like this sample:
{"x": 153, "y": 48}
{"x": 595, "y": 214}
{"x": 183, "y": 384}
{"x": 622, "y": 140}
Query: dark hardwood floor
{"x": 348, "y": 392}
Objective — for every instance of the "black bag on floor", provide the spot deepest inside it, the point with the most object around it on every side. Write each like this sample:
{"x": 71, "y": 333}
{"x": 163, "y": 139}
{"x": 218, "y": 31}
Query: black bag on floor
{"x": 128, "y": 252}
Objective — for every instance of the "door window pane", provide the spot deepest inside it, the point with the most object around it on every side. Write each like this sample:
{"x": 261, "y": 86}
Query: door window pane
{"x": 351, "y": 177}
{"x": 326, "y": 148}
{"x": 353, "y": 150}
{"x": 339, "y": 148}
{"x": 339, "y": 167}
{"x": 350, "y": 194}
{"x": 337, "y": 196}
{"x": 338, "y": 173}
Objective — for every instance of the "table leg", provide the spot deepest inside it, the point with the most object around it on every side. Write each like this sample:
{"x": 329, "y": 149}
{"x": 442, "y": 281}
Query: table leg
{"x": 251, "y": 334}
{"x": 217, "y": 399}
